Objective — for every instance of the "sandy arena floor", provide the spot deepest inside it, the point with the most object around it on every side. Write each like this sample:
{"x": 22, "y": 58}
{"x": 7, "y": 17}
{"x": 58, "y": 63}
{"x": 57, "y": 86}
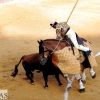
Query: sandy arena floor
{"x": 22, "y": 23}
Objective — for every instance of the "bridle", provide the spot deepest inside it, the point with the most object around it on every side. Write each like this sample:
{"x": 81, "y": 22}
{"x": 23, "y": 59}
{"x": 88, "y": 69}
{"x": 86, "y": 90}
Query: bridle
{"x": 44, "y": 59}
{"x": 53, "y": 49}
{"x": 56, "y": 47}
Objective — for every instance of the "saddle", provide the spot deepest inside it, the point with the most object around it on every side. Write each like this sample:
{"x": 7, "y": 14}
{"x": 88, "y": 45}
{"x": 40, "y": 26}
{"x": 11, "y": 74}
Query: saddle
{"x": 80, "y": 41}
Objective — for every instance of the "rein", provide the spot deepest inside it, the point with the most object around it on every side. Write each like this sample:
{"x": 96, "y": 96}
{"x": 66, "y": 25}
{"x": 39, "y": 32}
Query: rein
{"x": 54, "y": 48}
{"x": 44, "y": 60}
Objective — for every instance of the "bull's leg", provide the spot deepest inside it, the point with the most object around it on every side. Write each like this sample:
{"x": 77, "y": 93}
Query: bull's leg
{"x": 57, "y": 77}
{"x": 32, "y": 75}
{"x": 28, "y": 75}
{"x": 45, "y": 76}
{"x": 82, "y": 88}
{"x": 92, "y": 72}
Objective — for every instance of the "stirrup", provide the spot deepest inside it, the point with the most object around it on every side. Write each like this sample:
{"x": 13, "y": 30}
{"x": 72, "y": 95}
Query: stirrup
{"x": 88, "y": 53}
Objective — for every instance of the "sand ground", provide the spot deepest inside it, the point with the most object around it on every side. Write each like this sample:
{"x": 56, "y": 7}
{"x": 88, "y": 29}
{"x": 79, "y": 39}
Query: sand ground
{"x": 26, "y": 21}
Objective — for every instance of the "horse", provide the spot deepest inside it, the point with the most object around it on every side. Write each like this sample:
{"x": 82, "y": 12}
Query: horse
{"x": 31, "y": 62}
{"x": 49, "y": 46}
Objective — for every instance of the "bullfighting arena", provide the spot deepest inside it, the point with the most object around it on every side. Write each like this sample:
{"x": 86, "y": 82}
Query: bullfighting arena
{"x": 22, "y": 23}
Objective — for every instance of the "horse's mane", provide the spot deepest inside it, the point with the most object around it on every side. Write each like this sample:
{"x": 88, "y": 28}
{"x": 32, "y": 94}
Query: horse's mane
{"x": 53, "y": 40}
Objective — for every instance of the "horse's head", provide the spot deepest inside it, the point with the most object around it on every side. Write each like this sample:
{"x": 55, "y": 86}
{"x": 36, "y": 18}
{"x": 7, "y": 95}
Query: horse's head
{"x": 49, "y": 46}
{"x": 42, "y": 48}
{"x": 43, "y": 53}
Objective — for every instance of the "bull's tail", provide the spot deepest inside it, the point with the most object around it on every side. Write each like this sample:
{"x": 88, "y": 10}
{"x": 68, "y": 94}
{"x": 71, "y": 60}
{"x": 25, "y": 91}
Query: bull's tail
{"x": 16, "y": 67}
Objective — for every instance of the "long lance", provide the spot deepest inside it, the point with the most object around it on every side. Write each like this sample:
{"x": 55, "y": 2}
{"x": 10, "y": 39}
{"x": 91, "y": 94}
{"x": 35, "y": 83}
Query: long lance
{"x": 72, "y": 11}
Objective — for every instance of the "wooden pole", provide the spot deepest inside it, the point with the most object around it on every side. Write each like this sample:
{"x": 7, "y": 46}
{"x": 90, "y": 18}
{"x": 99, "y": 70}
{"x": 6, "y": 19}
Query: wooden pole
{"x": 72, "y": 11}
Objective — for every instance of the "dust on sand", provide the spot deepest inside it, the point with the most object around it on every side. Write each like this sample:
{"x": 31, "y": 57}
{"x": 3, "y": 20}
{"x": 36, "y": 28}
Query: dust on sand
{"x": 24, "y": 22}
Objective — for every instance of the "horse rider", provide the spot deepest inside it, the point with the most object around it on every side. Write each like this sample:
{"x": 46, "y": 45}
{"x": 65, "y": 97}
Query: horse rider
{"x": 63, "y": 29}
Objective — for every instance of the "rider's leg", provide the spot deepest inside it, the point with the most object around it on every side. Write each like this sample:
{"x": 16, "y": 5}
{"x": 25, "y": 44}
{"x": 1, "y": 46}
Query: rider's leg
{"x": 71, "y": 34}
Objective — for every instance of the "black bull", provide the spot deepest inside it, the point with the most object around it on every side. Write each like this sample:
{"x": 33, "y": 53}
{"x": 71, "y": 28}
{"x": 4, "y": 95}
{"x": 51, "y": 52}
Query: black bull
{"x": 31, "y": 62}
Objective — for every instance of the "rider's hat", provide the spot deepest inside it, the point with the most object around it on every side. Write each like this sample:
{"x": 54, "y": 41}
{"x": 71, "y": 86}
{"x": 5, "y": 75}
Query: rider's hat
{"x": 52, "y": 23}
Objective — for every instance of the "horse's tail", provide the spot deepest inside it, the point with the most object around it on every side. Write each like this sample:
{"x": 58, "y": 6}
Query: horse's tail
{"x": 16, "y": 67}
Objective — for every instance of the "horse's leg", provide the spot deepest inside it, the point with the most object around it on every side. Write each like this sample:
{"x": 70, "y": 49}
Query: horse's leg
{"x": 82, "y": 88}
{"x": 83, "y": 76}
{"x": 92, "y": 72}
{"x": 57, "y": 77}
{"x": 69, "y": 85}
{"x": 28, "y": 73}
{"x": 87, "y": 63}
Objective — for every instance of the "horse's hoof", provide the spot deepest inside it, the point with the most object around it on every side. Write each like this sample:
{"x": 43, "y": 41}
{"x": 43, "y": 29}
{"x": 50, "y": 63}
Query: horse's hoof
{"x": 69, "y": 88}
{"x": 82, "y": 90}
{"x": 94, "y": 76}
{"x": 84, "y": 81}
